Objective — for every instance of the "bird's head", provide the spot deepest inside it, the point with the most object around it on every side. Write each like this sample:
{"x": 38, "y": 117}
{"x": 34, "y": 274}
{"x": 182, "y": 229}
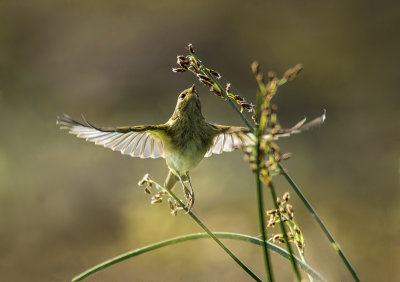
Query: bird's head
{"x": 188, "y": 103}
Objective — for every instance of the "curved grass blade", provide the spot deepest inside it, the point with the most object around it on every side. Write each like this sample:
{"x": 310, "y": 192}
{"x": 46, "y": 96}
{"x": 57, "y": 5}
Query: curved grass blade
{"x": 223, "y": 235}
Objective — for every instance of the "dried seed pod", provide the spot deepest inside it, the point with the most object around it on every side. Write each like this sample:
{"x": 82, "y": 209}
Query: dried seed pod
{"x": 156, "y": 200}
{"x": 260, "y": 78}
{"x": 216, "y": 91}
{"x": 183, "y": 62}
{"x": 228, "y": 88}
{"x": 286, "y": 196}
{"x": 145, "y": 180}
{"x": 300, "y": 244}
{"x": 254, "y": 118}
{"x": 190, "y": 48}
{"x": 289, "y": 208}
{"x": 271, "y": 76}
{"x": 238, "y": 98}
{"x": 194, "y": 64}
{"x": 206, "y": 82}
{"x": 271, "y": 222}
{"x": 147, "y": 191}
{"x": 178, "y": 69}
{"x": 255, "y": 67}
{"x": 204, "y": 77}
{"x": 215, "y": 73}
{"x": 247, "y": 106}
{"x": 278, "y": 238}
{"x": 292, "y": 72}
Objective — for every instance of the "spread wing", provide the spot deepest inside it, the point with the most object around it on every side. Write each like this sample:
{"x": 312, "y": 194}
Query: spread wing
{"x": 230, "y": 138}
{"x": 137, "y": 141}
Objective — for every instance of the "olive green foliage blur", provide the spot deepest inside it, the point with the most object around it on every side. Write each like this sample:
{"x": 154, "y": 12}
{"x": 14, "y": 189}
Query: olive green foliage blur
{"x": 66, "y": 205}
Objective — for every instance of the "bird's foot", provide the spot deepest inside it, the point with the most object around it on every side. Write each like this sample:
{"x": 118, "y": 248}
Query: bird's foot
{"x": 189, "y": 195}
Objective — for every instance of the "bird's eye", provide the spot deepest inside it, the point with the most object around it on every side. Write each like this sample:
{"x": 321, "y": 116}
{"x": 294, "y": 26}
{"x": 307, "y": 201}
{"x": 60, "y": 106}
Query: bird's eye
{"x": 182, "y": 95}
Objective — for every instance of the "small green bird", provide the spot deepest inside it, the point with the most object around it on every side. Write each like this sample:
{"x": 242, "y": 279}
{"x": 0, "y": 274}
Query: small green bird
{"x": 184, "y": 140}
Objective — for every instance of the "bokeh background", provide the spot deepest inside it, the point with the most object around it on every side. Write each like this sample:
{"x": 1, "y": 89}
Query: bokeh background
{"x": 66, "y": 205}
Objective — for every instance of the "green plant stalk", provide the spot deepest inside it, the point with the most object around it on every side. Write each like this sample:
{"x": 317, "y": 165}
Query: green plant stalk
{"x": 314, "y": 214}
{"x": 208, "y": 231}
{"x": 262, "y": 124}
{"x": 260, "y": 200}
{"x": 223, "y": 235}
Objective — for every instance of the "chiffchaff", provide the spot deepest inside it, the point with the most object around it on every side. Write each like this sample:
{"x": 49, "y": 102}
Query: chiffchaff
{"x": 184, "y": 140}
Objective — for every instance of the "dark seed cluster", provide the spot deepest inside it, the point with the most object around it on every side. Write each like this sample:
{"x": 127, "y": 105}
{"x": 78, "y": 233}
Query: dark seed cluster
{"x": 285, "y": 213}
{"x": 208, "y": 77}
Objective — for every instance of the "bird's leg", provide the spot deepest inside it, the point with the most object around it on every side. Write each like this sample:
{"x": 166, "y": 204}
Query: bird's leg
{"x": 191, "y": 199}
{"x": 186, "y": 191}
{"x": 188, "y": 194}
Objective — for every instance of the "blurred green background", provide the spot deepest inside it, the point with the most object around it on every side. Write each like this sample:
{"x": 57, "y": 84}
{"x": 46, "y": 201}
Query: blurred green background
{"x": 66, "y": 205}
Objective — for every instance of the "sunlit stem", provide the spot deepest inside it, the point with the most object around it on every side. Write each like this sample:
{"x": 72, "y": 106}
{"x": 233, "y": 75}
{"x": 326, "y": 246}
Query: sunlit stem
{"x": 260, "y": 197}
